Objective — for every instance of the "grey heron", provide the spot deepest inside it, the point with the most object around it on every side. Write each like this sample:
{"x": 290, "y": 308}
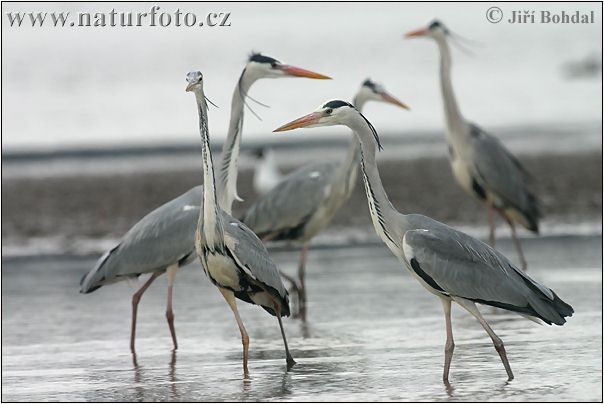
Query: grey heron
{"x": 163, "y": 240}
{"x": 481, "y": 164}
{"x": 231, "y": 255}
{"x": 448, "y": 263}
{"x": 266, "y": 171}
{"x": 305, "y": 201}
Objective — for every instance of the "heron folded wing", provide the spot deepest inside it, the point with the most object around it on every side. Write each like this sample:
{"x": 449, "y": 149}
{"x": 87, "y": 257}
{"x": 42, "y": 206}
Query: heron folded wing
{"x": 465, "y": 267}
{"x": 501, "y": 173}
{"x": 291, "y": 203}
{"x": 251, "y": 255}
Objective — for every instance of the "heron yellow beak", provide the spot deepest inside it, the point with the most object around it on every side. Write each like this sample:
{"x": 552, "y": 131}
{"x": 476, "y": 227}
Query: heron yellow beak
{"x": 306, "y": 120}
{"x": 416, "y": 33}
{"x": 392, "y": 100}
{"x": 299, "y": 72}
{"x": 190, "y": 87}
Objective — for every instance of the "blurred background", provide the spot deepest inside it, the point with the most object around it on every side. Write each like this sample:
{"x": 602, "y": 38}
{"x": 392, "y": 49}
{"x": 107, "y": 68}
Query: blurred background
{"x": 97, "y": 131}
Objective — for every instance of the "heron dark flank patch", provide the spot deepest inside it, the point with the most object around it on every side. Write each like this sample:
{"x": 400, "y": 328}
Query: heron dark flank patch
{"x": 418, "y": 270}
{"x": 480, "y": 192}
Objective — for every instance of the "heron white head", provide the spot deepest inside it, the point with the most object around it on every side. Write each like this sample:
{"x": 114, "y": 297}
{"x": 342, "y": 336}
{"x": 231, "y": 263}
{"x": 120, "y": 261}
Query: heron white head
{"x": 336, "y": 112}
{"x": 261, "y": 66}
{"x": 331, "y": 113}
{"x": 194, "y": 81}
{"x": 435, "y": 30}
{"x": 372, "y": 91}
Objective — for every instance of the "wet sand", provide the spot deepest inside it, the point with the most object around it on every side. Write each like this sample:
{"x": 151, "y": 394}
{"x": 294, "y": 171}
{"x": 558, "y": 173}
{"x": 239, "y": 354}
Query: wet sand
{"x": 107, "y": 205}
{"x": 373, "y": 334}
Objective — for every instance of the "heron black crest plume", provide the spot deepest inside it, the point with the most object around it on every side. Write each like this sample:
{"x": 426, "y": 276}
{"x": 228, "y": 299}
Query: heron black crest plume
{"x": 337, "y": 104}
{"x": 259, "y": 58}
{"x": 375, "y": 134}
{"x": 460, "y": 42}
{"x": 210, "y": 101}
{"x": 244, "y": 96}
{"x": 370, "y": 84}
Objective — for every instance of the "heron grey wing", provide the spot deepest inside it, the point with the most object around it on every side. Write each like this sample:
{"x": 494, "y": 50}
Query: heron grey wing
{"x": 292, "y": 202}
{"x": 462, "y": 266}
{"x": 163, "y": 237}
{"x": 499, "y": 171}
{"x": 451, "y": 266}
{"x": 251, "y": 255}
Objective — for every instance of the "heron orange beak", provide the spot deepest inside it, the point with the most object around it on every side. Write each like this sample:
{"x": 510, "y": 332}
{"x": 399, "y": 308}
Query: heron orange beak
{"x": 299, "y": 72}
{"x": 392, "y": 100}
{"x": 416, "y": 33}
{"x": 300, "y": 122}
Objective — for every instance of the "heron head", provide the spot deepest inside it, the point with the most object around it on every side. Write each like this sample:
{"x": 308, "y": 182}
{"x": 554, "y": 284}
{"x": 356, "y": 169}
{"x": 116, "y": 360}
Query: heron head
{"x": 262, "y": 66}
{"x": 370, "y": 90}
{"x": 435, "y": 30}
{"x": 336, "y": 112}
{"x": 194, "y": 81}
{"x": 331, "y": 113}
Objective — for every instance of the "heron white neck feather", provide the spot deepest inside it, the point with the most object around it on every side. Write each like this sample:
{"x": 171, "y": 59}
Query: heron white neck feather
{"x": 453, "y": 117}
{"x": 383, "y": 214}
{"x": 347, "y": 172}
{"x": 209, "y": 224}
{"x": 228, "y": 169}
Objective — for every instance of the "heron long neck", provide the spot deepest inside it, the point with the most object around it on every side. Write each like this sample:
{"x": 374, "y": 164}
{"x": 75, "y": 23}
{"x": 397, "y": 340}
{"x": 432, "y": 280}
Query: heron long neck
{"x": 383, "y": 214}
{"x": 227, "y": 173}
{"x": 348, "y": 167}
{"x": 453, "y": 116}
{"x": 209, "y": 224}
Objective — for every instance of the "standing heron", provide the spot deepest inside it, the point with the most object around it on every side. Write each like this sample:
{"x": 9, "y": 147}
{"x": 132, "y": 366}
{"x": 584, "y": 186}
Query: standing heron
{"x": 305, "y": 201}
{"x": 450, "y": 264}
{"x": 163, "y": 240}
{"x": 266, "y": 172}
{"x": 481, "y": 164}
{"x": 231, "y": 255}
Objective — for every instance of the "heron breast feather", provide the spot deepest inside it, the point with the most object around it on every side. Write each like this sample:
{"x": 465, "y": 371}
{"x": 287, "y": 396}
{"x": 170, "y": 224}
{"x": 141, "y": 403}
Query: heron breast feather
{"x": 223, "y": 271}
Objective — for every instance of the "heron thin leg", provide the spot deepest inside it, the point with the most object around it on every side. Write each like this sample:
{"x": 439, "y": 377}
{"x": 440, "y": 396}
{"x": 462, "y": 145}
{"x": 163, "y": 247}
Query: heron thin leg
{"x": 135, "y": 299}
{"x": 471, "y": 307}
{"x": 518, "y": 246}
{"x": 301, "y": 276}
{"x": 171, "y": 271}
{"x": 450, "y": 344}
{"x": 491, "y": 215}
{"x": 288, "y": 357}
{"x": 229, "y": 296}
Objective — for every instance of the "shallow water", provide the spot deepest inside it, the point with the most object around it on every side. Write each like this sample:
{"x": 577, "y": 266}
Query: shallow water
{"x": 372, "y": 334}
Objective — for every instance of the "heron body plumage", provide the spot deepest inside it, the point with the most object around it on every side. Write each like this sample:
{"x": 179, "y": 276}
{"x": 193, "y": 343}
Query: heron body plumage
{"x": 166, "y": 237}
{"x": 481, "y": 164}
{"x": 448, "y": 263}
{"x": 233, "y": 258}
{"x": 306, "y": 200}
{"x": 162, "y": 237}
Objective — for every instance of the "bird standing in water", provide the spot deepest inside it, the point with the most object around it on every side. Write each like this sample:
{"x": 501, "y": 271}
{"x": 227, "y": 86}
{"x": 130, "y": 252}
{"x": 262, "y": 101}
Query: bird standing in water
{"x": 481, "y": 164}
{"x": 163, "y": 240}
{"x": 231, "y": 255}
{"x": 448, "y": 263}
{"x": 305, "y": 201}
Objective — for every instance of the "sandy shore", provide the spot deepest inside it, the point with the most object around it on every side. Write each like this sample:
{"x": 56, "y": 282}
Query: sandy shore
{"x": 105, "y": 206}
